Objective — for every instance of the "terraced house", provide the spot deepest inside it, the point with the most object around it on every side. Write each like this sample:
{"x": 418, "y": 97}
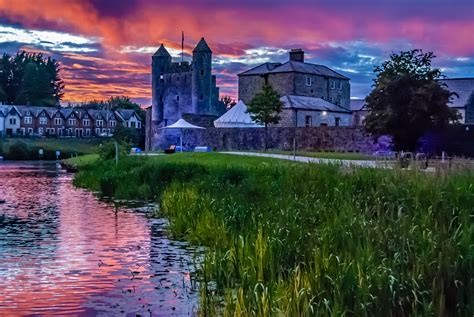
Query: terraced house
{"x": 64, "y": 122}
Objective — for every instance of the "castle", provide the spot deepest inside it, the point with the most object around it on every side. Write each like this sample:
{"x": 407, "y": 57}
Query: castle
{"x": 180, "y": 89}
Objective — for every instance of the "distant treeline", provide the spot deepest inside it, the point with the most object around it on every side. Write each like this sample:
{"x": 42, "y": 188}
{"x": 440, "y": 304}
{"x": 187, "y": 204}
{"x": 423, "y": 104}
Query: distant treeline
{"x": 30, "y": 79}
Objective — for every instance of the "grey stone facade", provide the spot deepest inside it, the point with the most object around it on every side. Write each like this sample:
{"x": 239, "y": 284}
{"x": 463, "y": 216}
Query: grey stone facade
{"x": 180, "y": 89}
{"x": 296, "y": 77}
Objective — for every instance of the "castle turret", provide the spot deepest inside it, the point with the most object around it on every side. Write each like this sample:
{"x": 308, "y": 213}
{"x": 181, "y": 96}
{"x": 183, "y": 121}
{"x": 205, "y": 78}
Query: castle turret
{"x": 202, "y": 78}
{"x": 161, "y": 62}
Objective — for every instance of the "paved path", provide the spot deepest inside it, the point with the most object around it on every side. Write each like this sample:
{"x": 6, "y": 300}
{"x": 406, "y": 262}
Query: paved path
{"x": 307, "y": 159}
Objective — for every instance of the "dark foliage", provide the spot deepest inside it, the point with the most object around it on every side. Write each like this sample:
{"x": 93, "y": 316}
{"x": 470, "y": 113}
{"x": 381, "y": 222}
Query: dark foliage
{"x": 408, "y": 100}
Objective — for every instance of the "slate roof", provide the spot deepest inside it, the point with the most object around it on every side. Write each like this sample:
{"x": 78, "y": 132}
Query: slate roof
{"x": 293, "y": 66}
{"x": 357, "y": 104}
{"x": 126, "y": 113}
{"x": 464, "y": 87}
{"x": 310, "y": 103}
{"x": 162, "y": 51}
{"x": 202, "y": 46}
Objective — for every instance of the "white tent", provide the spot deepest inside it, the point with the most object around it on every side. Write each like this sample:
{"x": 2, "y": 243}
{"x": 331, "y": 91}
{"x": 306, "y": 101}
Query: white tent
{"x": 236, "y": 117}
{"x": 182, "y": 124}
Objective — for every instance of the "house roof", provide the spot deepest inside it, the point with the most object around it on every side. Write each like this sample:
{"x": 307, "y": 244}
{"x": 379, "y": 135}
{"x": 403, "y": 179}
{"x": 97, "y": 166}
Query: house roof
{"x": 310, "y": 103}
{"x": 293, "y": 66}
{"x": 126, "y": 113}
{"x": 463, "y": 87}
{"x": 357, "y": 104}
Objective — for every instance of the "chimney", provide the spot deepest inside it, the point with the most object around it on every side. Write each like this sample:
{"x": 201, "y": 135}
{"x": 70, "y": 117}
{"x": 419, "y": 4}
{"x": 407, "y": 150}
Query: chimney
{"x": 297, "y": 55}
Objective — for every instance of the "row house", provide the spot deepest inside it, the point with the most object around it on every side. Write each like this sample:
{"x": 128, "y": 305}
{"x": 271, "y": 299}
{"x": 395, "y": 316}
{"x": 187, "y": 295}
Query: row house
{"x": 64, "y": 122}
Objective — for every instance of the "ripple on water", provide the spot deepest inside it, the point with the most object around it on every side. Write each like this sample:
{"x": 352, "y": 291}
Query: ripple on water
{"x": 64, "y": 252}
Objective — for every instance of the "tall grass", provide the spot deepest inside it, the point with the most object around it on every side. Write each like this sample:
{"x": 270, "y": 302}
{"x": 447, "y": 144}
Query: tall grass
{"x": 312, "y": 240}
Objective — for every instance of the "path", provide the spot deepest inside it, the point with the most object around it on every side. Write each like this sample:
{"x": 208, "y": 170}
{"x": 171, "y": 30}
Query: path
{"x": 306, "y": 159}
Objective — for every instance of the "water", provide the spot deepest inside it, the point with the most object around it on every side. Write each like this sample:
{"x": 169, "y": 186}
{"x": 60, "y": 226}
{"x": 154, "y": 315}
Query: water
{"x": 65, "y": 252}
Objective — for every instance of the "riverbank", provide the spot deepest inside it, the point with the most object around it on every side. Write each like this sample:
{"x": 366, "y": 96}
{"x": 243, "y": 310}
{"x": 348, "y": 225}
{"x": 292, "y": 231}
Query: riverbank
{"x": 303, "y": 239}
{"x": 28, "y": 148}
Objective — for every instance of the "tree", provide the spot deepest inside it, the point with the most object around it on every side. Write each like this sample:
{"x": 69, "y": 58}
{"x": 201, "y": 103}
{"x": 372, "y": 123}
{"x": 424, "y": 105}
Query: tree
{"x": 228, "y": 102}
{"x": 408, "y": 100}
{"x": 29, "y": 78}
{"x": 265, "y": 108}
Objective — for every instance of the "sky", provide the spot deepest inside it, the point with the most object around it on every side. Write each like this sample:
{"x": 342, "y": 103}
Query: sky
{"x": 105, "y": 46}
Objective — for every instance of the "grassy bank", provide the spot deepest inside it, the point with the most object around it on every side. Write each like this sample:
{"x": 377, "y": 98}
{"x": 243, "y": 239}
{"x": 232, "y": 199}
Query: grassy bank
{"x": 30, "y": 147}
{"x": 298, "y": 239}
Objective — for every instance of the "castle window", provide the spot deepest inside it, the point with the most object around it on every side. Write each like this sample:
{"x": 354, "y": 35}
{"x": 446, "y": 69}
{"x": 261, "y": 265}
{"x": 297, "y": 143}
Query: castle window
{"x": 177, "y": 98}
{"x": 312, "y": 91}
{"x": 309, "y": 81}
{"x": 202, "y": 72}
{"x": 333, "y": 84}
{"x": 201, "y": 97}
{"x": 177, "y": 78}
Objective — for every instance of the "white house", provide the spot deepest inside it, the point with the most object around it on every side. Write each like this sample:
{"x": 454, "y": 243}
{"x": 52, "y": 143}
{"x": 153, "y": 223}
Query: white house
{"x": 12, "y": 121}
{"x": 2, "y": 123}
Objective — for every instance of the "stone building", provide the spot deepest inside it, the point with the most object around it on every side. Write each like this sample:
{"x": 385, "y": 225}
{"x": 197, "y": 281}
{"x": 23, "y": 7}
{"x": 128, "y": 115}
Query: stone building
{"x": 313, "y": 94}
{"x": 182, "y": 90}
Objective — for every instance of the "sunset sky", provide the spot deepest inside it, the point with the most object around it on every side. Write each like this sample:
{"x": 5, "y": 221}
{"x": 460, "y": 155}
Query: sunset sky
{"x": 105, "y": 46}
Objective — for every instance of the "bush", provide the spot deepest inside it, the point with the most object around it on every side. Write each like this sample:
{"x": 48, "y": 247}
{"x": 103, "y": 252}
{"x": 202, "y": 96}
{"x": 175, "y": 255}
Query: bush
{"x": 18, "y": 151}
{"x": 106, "y": 150}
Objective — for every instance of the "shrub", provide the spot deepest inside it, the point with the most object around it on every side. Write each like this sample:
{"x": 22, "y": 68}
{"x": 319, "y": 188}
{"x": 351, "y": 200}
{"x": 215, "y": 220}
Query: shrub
{"x": 18, "y": 151}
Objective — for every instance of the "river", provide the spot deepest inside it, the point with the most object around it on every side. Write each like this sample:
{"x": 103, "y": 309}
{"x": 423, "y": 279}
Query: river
{"x": 65, "y": 252}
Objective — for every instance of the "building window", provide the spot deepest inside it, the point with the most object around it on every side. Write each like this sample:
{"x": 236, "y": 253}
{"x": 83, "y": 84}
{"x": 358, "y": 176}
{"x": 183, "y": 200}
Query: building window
{"x": 97, "y": 131}
{"x": 40, "y": 131}
{"x": 162, "y": 77}
{"x": 309, "y": 81}
{"x": 177, "y": 98}
{"x": 88, "y": 132}
{"x": 30, "y": 131}
{"x": 177, "y": 78}
{"x": 58, "y": 121}
{"x": 28, "y": 120}
{"x": 13, "y": 121}
{"x": 86, "y": 122}
{"x": 113, "y": 123}
{"x": 139, "y": 125}
{"x": 331, "y": 99}
{"x": 99, "y": 123}
{"x": 22, "y": 131}
{"x": 337, "y": 122}
{"x": 133, "y": 124}
{"x": 202, "y": 72}
{"x": 201, "y": 97}
{"x": 339, "y": 86}
{"x": 333, "y": 84}
{"x": 308, "y": 121}
{"x": 324, "y": 124}
{"x": 72, "y": 121}
{"x": 43, "y": 120}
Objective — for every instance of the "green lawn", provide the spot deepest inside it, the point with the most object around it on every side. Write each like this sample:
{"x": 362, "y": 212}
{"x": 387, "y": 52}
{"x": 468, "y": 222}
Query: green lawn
{"x": 83, "y": 160}
{"x": 83, "y": 146}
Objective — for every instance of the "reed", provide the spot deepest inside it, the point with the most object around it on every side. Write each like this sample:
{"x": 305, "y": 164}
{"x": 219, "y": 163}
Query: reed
{"x": 311, "y": 240}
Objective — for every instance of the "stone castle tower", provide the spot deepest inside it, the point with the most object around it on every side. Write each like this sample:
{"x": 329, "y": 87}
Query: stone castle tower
{"x": 183, "y": 89}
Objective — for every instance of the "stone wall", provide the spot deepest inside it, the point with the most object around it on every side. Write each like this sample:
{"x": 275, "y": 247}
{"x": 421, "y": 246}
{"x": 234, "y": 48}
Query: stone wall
{"x": 345, "y": 139}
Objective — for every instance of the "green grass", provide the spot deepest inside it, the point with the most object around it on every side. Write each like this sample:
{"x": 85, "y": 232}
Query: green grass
{"x": 83, "y": 146}
{"x": 291, "y": 239}
{"x": 83, "y": 160}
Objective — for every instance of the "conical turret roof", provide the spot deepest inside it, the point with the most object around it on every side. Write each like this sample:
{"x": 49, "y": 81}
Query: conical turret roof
{"x": 162, "y": 51}
{"x": 202, "y": 46}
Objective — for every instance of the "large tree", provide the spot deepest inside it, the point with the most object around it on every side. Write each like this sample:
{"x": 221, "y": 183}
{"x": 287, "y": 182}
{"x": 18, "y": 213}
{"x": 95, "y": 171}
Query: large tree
{"x": 265, "y": 108}
{"x": 30, "y": 78}
{"x": 408, "y": 100}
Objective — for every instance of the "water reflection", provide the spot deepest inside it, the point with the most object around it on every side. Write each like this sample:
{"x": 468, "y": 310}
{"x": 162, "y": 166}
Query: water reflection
{"x": 63, "y": 252}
